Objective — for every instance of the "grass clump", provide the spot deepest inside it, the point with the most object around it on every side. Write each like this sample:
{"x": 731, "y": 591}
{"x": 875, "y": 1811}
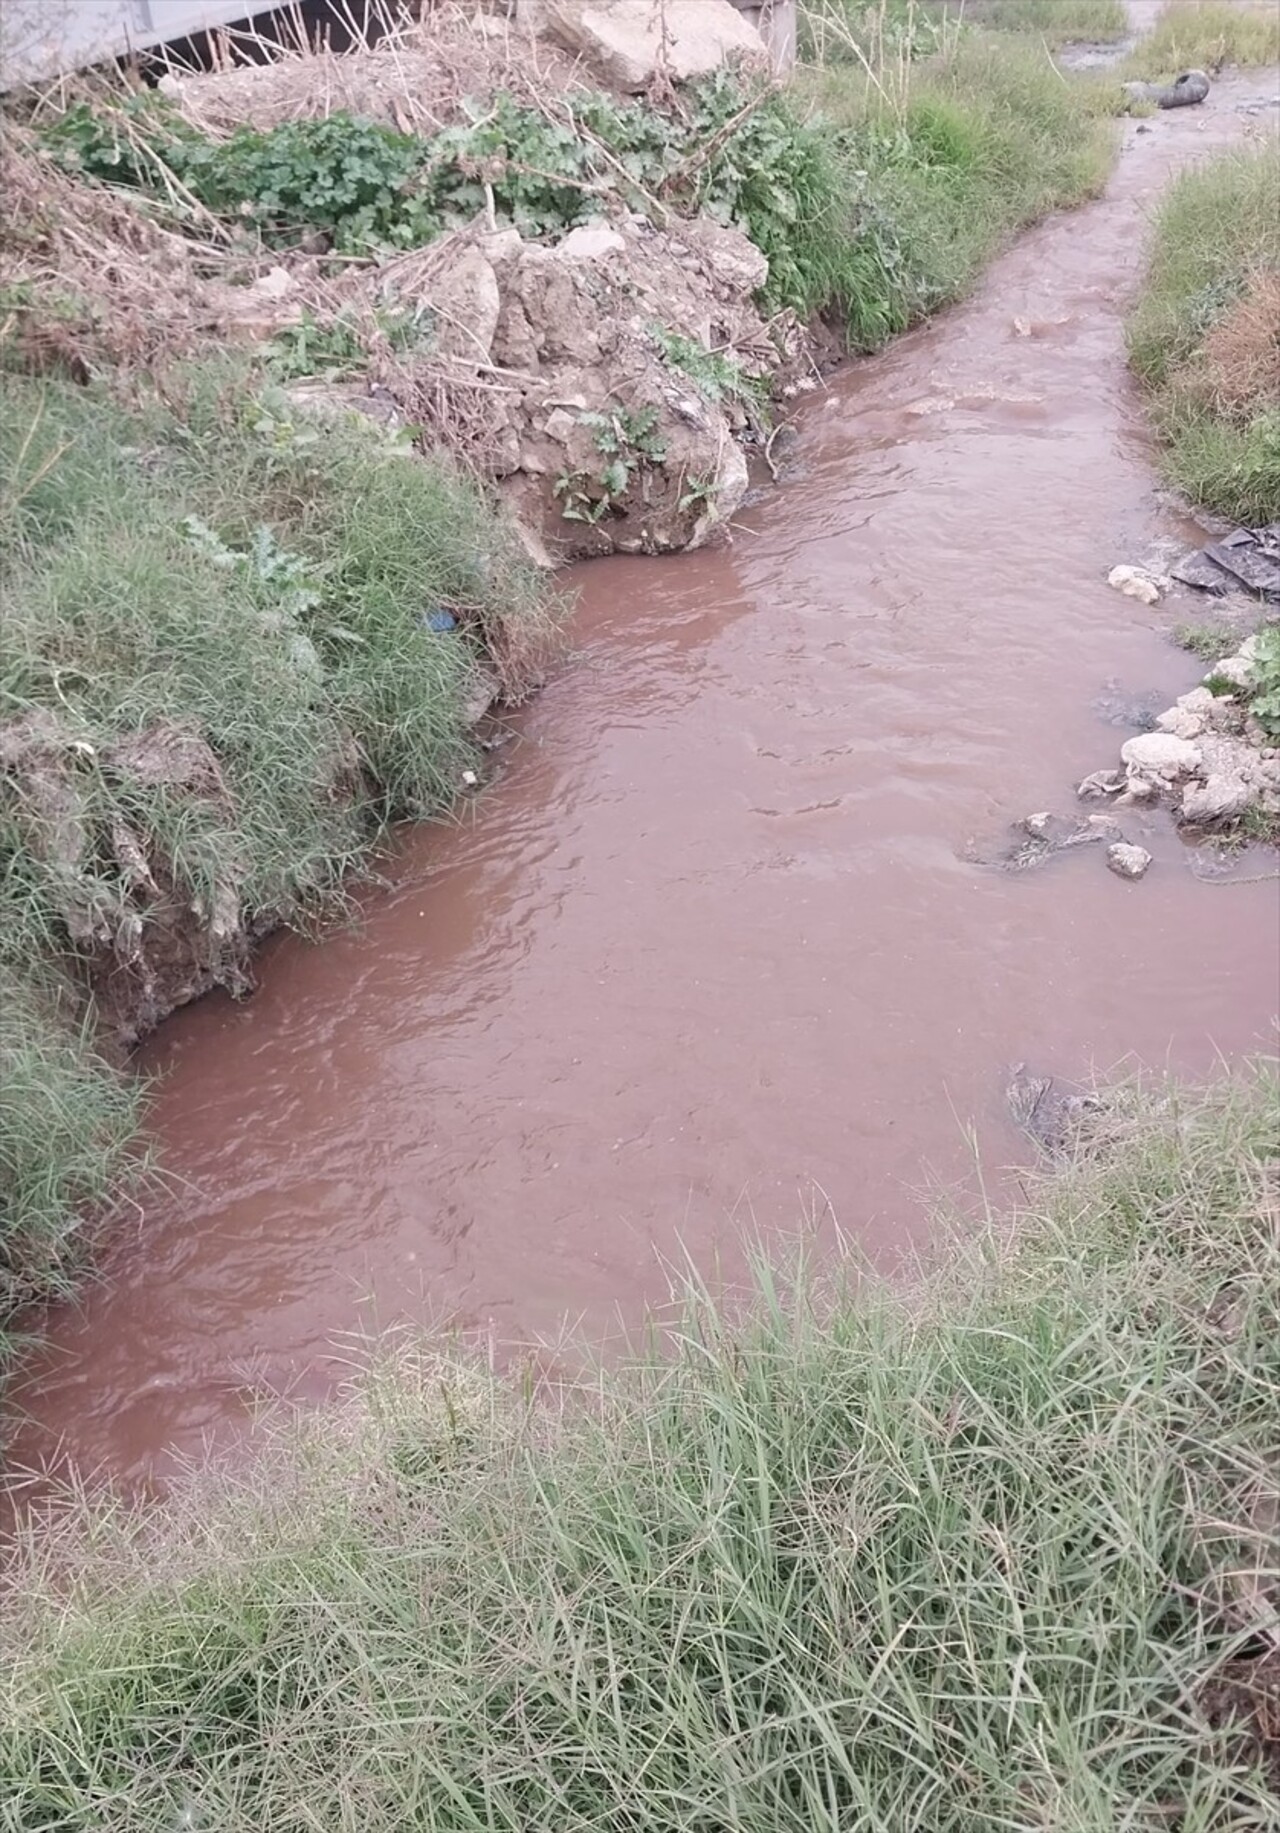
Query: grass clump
{"x": 234, "y": 645}
{"x": 1205, "y": 334}
{"x": 1207, "y": 35}
{"x": 975, "y": 144}
{"x": 1058, "y": 22}
{"x": 68, "y": 1137}
{"x": 1002, "y": 1556}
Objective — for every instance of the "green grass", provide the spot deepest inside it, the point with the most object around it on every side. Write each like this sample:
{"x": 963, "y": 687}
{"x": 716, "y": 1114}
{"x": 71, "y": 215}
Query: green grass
{"x": 68, "y": 1139}
{"x": 966, "y": 1562}
{"x": 1216, "y": 233}
{"x": 1058, "y": 22}
{"x": 947, "y": 165}
{"x": 256, "y": 593}
{"x": 1207, "y": 35}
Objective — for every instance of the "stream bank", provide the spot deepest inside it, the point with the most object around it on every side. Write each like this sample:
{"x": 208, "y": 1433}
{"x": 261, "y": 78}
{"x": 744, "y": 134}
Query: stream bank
{"x": 714, "y": 948}
{"x": 249, "y": 626}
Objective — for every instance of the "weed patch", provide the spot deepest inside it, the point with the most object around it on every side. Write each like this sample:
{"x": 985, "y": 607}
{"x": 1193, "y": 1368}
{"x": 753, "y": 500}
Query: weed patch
{"x": 1205, "y": 334}
{"x": 973, "y": 145}
{"x": 980, "y": 1560}
{"x": 1207, "y": 35}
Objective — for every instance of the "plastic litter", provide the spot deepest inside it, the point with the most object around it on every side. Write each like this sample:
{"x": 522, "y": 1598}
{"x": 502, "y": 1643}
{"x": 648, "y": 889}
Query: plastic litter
{"x": 1248, "y": 561}
{"x": 439, "y": 620}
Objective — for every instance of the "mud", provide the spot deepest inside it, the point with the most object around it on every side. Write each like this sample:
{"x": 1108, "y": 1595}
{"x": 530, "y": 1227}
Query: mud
{"x": 709, "y": 959}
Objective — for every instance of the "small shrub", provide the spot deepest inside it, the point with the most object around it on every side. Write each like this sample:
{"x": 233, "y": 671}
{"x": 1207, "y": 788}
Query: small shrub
{"x": 1265, "y": 701}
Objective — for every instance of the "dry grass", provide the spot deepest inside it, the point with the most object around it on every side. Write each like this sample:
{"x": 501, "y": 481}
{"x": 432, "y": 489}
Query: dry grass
{"x": 1238, "y": 364}
{"x": 1203, "y": 335}
{"x": 416, "y": 79}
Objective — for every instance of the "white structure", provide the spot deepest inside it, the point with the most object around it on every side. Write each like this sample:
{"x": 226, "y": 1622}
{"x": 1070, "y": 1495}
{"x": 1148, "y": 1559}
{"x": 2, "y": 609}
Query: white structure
{"x": 43, "y": 38}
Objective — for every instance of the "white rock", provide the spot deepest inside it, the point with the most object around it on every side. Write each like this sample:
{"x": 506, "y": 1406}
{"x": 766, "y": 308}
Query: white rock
{"x": 1238, "y": 670}
{"x": 1128, "y": 861}
{"x": 1222, "y": 754}
{"x": 1218, "y": 798}
{"x": 734, "y": 260}
{"x": 466, "y": 302}
{"x": 274, "y": 284}
{"x": 1134, "y": 583}
{"x": 590, "y": 242}
{"x": 624, "y": 41}
{"x": 1037, "y": 825}
{"x": 1199, "y": 700}
{"x": 1160, "y": 754}
{"x": 1181, "y": 721}
{"x": 1101, "y": 783}
{"x": 1249, "y": 648}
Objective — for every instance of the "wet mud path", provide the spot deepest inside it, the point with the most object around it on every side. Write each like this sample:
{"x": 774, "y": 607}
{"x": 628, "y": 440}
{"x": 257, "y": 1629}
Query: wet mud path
{"x": 707, "y": 957}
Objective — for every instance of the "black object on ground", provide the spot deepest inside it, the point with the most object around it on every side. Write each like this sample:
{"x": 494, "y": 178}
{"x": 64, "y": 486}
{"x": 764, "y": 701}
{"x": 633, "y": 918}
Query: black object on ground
{"x": 1248, "y": 561}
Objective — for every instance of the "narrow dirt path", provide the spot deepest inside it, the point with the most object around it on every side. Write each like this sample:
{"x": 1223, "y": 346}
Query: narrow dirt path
{"x": 710, "y": 952}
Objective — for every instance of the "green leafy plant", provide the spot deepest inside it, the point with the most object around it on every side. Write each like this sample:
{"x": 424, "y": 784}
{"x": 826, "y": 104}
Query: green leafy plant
{"x": 718, "y": 375}
{"x": 1265, "y": 703}
{"x": 625, "y": 438}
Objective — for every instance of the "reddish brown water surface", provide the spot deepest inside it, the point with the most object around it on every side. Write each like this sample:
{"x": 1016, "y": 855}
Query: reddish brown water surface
{"x": 707, "y": 955}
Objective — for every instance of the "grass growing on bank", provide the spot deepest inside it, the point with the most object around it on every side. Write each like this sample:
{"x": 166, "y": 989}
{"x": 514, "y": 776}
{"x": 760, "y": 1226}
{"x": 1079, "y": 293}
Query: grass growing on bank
{"x": 971, "y": 146}
{"x": 1003, "y": 1556}
{"x": 1207, "y": 35}
{"x": 219, "y": 676}
{"x": 1205, "y": 337}
{"x": 1058, "y": 22}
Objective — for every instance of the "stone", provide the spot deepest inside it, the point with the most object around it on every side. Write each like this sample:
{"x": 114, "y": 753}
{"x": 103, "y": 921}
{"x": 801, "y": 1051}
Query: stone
{"x": 1218, "y": 798}
{"x": 274, "y": 284}
{"x": 1160, "y": 754}
{"x": 1199, "y": 700}
{"x": 1181, "y": 721}
{"x": 625, "y": 45}
{"x": 1101, "y": 783}
{"x": 1038, "y": 825}
{"x": 1126, "y": 860}
{"x": 466, "y": 302}
{"x": 1134, "y": 582}
{"x": 1237, "y": 670}
{"x": 734, "y": 260}
{"x": 590, "y": 242}
{"x": 1222, "y": 754}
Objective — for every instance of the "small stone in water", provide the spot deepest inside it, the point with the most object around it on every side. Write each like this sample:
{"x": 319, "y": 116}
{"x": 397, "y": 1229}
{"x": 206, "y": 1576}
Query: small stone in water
{"x": 1134, "y": 583}
{"x": 1128, "y": 861}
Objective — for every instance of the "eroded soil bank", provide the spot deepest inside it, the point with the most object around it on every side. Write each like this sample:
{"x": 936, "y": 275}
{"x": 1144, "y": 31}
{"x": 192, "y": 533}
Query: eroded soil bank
{"x": 711, "y": 950}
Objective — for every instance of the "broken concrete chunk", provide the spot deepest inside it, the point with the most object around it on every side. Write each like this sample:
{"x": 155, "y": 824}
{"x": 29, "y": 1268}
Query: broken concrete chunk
{"x": 1126, "y": 860}
{"x": 628, "y": 43}
{"x": 466, "y": 303}
{"x": 1220, "y": 797}
{"x": 1236, "y": 670}
{"x": 1101, "y": 783}
{"x": 1181, "y": 721}
{"x": 1134, "y": 582}
{"x": 733, "y": 259}
{"x": 1160, "y": 754}
{"x": 590, "y": 242}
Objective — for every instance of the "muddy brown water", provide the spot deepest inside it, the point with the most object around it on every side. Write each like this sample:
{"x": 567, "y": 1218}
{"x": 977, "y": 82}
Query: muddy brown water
{"x": 706, "y": 959}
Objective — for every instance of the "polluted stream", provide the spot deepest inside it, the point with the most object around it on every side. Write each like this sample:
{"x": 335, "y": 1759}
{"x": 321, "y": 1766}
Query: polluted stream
{"x": 707, "y": 962}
